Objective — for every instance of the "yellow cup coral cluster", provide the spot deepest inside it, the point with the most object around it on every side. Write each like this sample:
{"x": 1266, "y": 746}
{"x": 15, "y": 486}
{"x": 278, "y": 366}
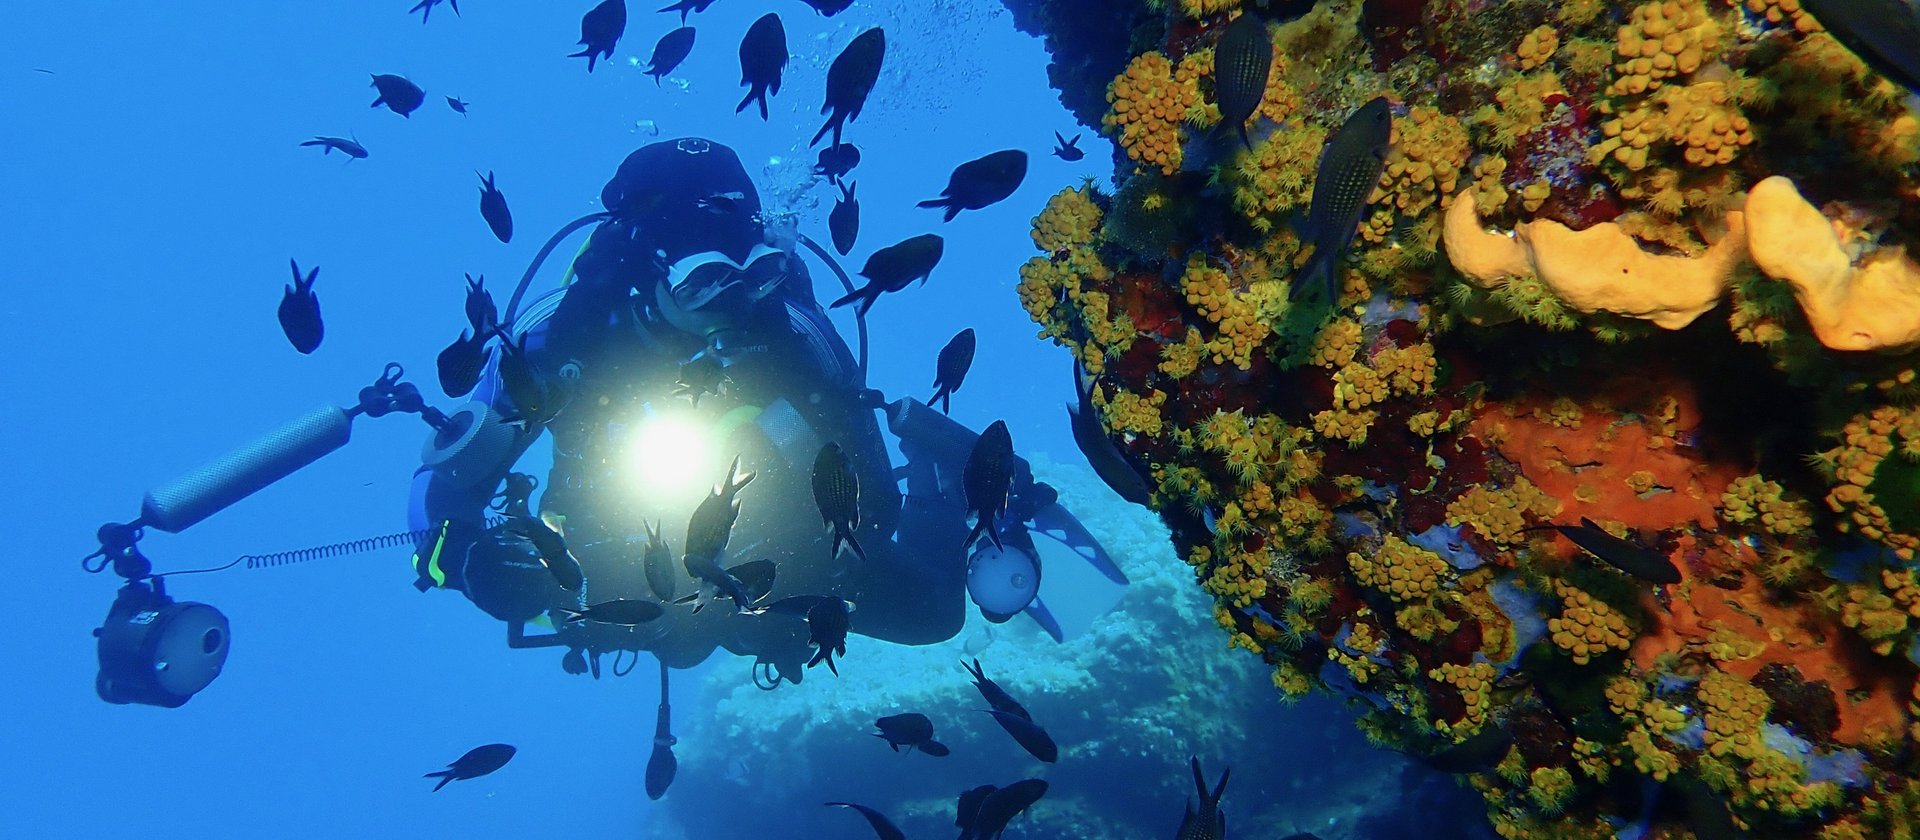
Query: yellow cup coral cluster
{"x": 1660, "y": 41}
{"x": 1474, "y": 681}
{"x": 1429, "y": 151}
{"x": 1754, "y": 500}
{"x": 1238, "y": 328}
{"x": 1867, "y": 441}
{"x": 1070, "y": 220}
{"x": 1586, "y": 627}
{"x": 1149, "y": 100}
{"x": 1538, "y": 47}
{"x": 1787, "y": 12}
{"x": 1499, "y": 515}
{"x": 1402, "y": 570}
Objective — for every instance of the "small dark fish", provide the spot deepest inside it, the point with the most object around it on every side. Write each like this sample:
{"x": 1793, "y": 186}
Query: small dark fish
{"x": 661, "y": 764}
{"x": 829, "y": 8}
{"x": 461, "y": 364}
{"x": 688, "y": 6}
{"x": 1068, "y": 150}
{"x": 622, "y": 611}
{"x": 532, "y": 399}
{"x": 910, "y": 730}
{"x": 836, "y": 491}
{"x": 659, "y": 564}
{"x": 43, "y": 70}
{"x": 828, "y": 617}
{"x": 763, "y": 54}
{"x": 844, "y": 220}
{"x": 669, "y": 51}
{"x": 988, "y": 479}
{"x": 849, "y": 79}
{"x": 458, "y": 105}
{"x": 951, "y": 369}
{"x": 600, "y": 29}
{"x": 1108, "y": 460}
{"x": 836, "y": 161}
{"x": 1030, "y": 735}
{"x": 892, "y": 268}
{"x": 350, "y": 148}
{"x": 981, "y": 182}
{"x": 478, "y": 762}
{"x": 883, "y": 828}
{"x": 481, "y": 314}
{"x": 707, "y": 533}
{"x": 1883, "y": 33}
{"x": 1001, "y": 806}
{"x": 1350, "y": 166}
{"x": 996, "y": 696}
{"x": 1620, "y": 554}
{"x": 968, "y": 808}
{"x": 1478, "y": 754}
{"x": 553, "y": 551}
{"x": 703, "y": 374}
{"x": 1209, "y": 822}
{"x": 712, "y": 522}
{"x": 425, "y": 8}
{"x": 1241, "y": 62}
{"x": 300, "y": 311}
{"x": 399, "y": 95}
{"x": 493, "y": 208}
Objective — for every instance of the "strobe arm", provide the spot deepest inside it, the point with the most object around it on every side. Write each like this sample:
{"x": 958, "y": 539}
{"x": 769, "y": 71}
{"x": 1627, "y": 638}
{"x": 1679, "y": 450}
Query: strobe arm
{"x": 185, "y": 501}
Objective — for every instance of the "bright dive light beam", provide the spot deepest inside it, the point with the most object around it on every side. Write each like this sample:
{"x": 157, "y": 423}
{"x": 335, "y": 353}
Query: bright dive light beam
{"x": 670, "y": 457}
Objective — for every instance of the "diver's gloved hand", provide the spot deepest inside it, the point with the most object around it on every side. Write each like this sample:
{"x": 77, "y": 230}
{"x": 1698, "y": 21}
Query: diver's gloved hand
{"x": 575, "y": 662}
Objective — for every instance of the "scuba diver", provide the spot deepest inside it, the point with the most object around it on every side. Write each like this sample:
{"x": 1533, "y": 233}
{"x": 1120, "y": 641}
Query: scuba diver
{"x": 688, "y": 338}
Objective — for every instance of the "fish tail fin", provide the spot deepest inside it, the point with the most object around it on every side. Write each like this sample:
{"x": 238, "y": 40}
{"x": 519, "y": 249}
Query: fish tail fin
{"x": 1317, "y": 273}
{"x": 444, "y": 776}
{"x": 830, "y": 666}
{"x": 983, "y": 526}
{"x": 846, "y": 534}
{"x": 378, "y": 101}
{"x": 863, "y": 299}
{"x": 1244, "y": 139}
{"x": 832, "y": 122}
{"x": 763, "y": 104}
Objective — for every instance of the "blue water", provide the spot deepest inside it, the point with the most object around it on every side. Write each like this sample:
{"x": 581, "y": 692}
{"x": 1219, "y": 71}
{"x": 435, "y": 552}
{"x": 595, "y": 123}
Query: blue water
{"x": 151, "y": 193}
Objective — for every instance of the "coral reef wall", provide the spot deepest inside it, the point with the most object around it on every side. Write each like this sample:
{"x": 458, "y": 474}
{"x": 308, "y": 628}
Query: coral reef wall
{"x": 1638, "y": 265}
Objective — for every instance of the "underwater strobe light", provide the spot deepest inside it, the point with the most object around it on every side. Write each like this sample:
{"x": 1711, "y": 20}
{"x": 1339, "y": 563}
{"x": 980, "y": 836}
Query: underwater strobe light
{"x": 158, "y": 651}
{"x": 153, "y": 649}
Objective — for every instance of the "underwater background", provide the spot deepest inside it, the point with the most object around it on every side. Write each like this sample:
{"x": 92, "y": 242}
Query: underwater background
{"x": 1523, "y": 398}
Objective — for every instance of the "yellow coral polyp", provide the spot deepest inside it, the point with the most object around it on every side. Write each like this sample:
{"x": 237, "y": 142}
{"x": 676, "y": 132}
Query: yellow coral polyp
{"x": 1662, "y": 40}
{"x": 1500, "y": 515}
{"x": 1430, "y": 149}
{"x": 1474, "y": 681}
{"x": 1207, "y": 8}
{"x": 1402, "y": 570}
{"x": 1129, "y": 413}
{"x": 1538, "y": 47}
{"x": 1787, "y": 12}
{"x": 1866, "y": 441}
{"x": 1147, "y": 105}
{"x": 1238, "y": 328}
{"x": 1070, "y": 220}
{"x": 1587, "y": 626}
{"x": 1757, "y": 501}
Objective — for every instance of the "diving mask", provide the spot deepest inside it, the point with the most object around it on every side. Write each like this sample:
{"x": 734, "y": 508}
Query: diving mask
{"x": 709, "y": 292}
